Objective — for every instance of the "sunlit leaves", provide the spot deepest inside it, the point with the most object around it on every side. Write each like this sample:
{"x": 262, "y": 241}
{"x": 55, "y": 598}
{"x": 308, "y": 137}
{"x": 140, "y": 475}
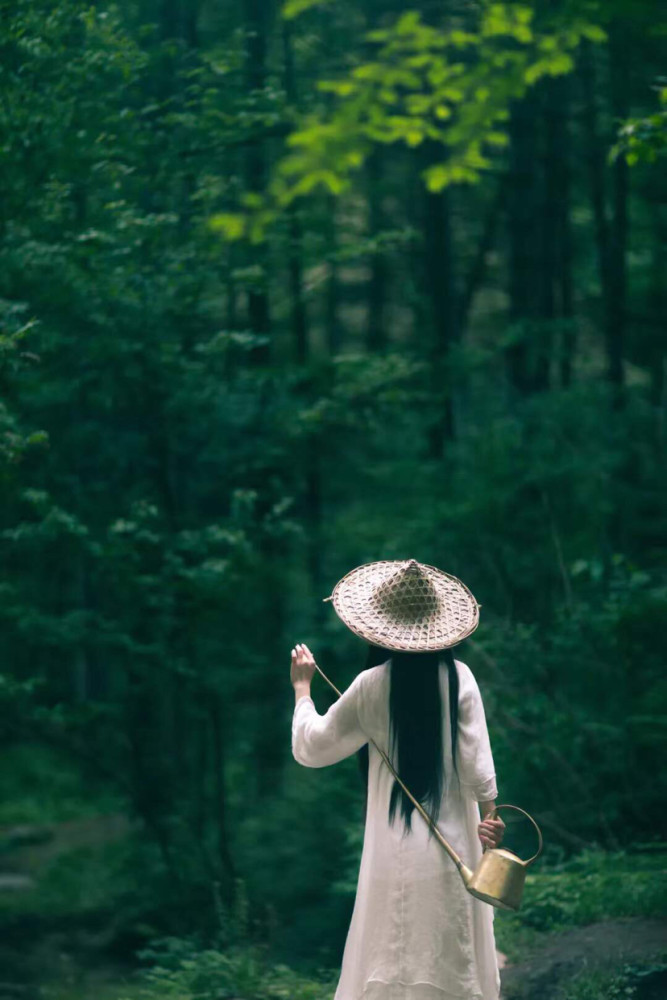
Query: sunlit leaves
{"x": 292, "y": 8}
{"x": 232, "y": 225}
{"x": 593, "y": 32}
{"x": 644, "y": 140}
{"x": 416, "y": 88}
{"x": 441, "y": 175}
{"x": 556, "y": 64}
{"x": 250, "y": 224}
{"x": 507, "y": 20}
{"x": 450, "y": 86}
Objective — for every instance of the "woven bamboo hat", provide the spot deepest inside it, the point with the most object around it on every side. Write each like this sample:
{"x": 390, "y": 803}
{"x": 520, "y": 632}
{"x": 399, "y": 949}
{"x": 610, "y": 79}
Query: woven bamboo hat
{"x": 405, "y": 605}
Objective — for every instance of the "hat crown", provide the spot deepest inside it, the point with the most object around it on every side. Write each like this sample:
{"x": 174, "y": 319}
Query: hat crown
{"x": 407, "y": 596}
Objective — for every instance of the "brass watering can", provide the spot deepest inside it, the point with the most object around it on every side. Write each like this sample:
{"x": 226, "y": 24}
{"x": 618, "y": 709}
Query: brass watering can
{"x": 500, "y": 875}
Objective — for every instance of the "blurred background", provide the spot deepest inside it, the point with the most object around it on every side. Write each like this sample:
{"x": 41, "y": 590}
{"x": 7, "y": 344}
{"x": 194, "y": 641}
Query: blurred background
{"x": 285, "y": 289}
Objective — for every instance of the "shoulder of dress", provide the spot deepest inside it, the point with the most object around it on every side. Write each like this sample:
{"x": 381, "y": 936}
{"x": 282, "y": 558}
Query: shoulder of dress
{"x": 466, "y": 676}
{"x": 462, "y": 667}
{"x": 372, "y": 675}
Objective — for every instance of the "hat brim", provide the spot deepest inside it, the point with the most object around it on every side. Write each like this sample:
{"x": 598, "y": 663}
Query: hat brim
{"x": 455, "y": 617}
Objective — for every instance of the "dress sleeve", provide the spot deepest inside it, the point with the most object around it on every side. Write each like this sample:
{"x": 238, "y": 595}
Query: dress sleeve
{"x": 474, "y": 759}
{"x": 318, "y": 740}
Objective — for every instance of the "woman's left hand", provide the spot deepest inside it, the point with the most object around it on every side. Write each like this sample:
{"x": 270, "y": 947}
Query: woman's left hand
{"x": 303, "y": 665}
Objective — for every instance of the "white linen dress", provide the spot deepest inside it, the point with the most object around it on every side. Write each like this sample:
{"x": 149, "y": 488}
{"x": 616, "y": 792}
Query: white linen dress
{"x": 415, "y": 932}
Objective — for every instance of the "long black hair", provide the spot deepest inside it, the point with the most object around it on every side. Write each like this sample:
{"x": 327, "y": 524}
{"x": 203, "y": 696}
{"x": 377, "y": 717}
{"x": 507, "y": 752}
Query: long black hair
{"x": 415, "y": 713}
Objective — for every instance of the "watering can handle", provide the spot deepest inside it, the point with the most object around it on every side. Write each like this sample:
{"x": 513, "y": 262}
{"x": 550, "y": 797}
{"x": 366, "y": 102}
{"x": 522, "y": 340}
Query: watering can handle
{"x": 537, "y": 829}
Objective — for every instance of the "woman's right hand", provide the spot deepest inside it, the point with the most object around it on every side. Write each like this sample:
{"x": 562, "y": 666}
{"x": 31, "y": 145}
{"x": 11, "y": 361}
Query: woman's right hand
{"x": 490, "y": 831}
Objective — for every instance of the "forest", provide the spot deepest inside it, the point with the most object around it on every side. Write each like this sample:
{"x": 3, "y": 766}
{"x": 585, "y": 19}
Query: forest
{"x": 287, "y": 287}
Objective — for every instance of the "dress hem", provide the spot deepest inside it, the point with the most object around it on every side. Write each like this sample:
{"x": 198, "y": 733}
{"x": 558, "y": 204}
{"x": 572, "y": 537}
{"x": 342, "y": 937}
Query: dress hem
{"x": 446, "y": 994}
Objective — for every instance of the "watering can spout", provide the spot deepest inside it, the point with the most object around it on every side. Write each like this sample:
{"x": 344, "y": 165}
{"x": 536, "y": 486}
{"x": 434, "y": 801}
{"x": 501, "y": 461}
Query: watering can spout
{"x": 465, "y": 873}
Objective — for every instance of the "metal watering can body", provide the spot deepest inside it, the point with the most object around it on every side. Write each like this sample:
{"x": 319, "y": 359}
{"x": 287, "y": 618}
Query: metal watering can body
{"x": 500, "y": 875}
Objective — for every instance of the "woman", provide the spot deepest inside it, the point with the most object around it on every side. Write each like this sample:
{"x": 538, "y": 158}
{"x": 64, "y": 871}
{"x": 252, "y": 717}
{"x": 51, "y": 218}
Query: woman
{"x": 415, "y": 933}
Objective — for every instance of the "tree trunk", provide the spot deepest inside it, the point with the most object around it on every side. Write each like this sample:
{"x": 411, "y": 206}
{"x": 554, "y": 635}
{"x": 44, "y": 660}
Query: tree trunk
{"x": 294, "y": 230}
{"x": 474, "y": 280}
{"x": 524, "y": 250}
{"x": 610, "y": 236}
{"x": 273, "y": 693}
{"x": 549, "y": 233}
{"x": 568, "y": 338}
{"x": 314, "y": 521}
{"x": 255, "y": 165}
{"x": 376, "y": 336}
{"x": 442, "y": 297}
{"x": 332, "y": 325}
{"x": 617, "y": 292}
{"x": 225, "y": 860}
{"x": 657, "y": 326}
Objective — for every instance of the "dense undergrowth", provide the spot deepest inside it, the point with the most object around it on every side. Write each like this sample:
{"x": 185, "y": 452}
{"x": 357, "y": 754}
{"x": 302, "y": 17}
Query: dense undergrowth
{"x": 95, "y": 891}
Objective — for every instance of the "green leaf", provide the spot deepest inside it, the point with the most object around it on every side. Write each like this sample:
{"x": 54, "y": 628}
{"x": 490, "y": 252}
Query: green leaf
{"x": 408, "y": 23}
{"x": 341, "y": 87}
{"x": 496, "y": 139}
{"x": 437, "y": 177}
{"x": 594, "y": 33}
{"x": 556, "y": 64}
{"x": 232, "y": 225}
{"x": 292, "y": 8}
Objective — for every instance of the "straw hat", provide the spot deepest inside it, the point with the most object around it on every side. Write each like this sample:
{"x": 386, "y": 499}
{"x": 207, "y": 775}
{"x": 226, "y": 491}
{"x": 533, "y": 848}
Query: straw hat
{"x": 405, "y": 605}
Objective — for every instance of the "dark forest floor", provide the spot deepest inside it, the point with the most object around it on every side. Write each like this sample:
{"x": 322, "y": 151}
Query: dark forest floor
{"x": 582, "y": 950}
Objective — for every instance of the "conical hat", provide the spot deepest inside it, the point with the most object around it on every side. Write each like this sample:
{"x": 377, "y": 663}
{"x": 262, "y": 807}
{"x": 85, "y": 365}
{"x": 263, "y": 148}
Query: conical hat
{"x": 405, "y": 605}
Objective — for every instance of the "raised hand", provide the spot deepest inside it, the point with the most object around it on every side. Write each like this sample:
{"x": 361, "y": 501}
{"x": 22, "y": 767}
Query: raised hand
{"x": 302, "y": 666}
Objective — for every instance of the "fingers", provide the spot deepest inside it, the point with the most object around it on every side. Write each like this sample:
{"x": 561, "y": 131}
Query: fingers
{"x": 493, "y": 824}
{"x": 302, "y": 656}
{"x": 490, "y": 831}
{"x": 495, "y": 835}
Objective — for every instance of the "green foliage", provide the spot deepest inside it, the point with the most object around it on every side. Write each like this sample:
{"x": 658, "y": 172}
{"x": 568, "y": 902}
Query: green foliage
{"x": 643, "y": 140}
{"x": 16, "y": 333}
{"x": 586, "y": 890}
{"x": 188, "y": 972}
{"x": 39, "y": 786}
{"x": 292, "y": 8}
{"x": 448, "y": 86}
